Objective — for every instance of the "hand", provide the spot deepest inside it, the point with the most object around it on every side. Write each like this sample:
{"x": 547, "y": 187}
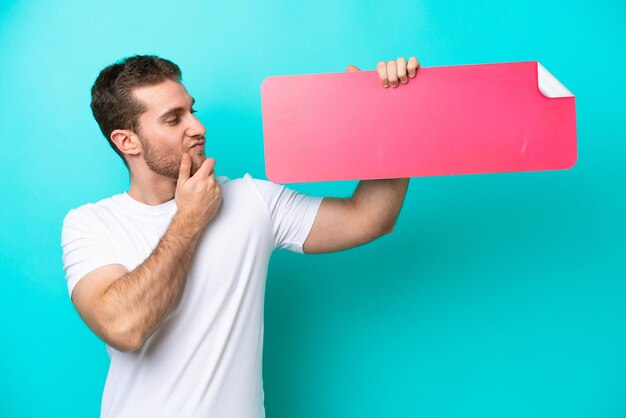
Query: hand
{"x": 392, "y": 71}
{"x": 198, "y": 197}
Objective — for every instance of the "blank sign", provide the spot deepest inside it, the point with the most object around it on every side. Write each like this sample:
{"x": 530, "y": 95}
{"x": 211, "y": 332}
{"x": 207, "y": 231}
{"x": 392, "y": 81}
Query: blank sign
{"x": 467, "y": 119}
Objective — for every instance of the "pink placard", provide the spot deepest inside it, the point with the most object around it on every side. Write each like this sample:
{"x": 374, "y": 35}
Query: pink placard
{"x": 468, "y": 119}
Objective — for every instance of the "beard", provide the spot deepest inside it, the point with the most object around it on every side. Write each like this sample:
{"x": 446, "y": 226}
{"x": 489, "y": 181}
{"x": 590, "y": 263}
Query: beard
{"x": 168, "y": 163}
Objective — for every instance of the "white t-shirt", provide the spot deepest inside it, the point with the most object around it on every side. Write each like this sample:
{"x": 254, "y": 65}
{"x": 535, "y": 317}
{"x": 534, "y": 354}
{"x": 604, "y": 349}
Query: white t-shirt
{"x": 205, "y": 358}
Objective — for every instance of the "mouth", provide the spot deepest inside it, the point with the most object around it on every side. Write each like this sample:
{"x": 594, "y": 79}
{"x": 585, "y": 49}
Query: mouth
{"x": 198, "y": 145}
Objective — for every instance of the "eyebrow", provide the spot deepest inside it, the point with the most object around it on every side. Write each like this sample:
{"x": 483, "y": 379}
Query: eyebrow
{"x": 175, "y": 110}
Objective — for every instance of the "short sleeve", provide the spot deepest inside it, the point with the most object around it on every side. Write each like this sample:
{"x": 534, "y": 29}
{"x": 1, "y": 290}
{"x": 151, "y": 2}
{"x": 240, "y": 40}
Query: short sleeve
{"x": 85, "y": 248}
{"x": 292, "y": 213}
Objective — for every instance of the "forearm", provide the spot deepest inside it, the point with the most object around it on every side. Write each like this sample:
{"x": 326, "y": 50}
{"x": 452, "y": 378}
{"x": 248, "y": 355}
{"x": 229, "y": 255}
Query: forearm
{"x": 136, "y": 303}
{"x": 379, "y": 201}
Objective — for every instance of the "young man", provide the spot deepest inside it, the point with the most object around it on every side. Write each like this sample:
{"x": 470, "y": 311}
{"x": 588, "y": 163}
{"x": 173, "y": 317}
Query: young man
{"x": 171, "y": 274}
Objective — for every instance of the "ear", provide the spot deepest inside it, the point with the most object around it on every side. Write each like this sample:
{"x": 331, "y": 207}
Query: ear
{"x": 126, "y": 141}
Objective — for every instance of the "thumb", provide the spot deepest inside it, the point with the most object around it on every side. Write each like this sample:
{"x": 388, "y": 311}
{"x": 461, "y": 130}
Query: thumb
{"x": 352, "y": 68}
{"x": 185, "y": 170}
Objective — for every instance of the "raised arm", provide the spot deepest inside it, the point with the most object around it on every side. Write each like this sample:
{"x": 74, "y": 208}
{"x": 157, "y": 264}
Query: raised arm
{"x": 374, "y": 207}
{"x": 125, "y": 307}
{"x": 346, "y": 223}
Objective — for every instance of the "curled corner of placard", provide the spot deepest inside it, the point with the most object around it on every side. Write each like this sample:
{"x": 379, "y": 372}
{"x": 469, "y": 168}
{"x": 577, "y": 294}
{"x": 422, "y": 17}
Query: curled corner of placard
{"x": 549, "y": 86}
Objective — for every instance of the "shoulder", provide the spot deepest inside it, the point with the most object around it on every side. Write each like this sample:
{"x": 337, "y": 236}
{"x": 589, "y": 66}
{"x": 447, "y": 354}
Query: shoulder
{"x": 249, "y": 184}
{"x": 245, "y": 179}
{"x": 258, "y": 193}
{"x": 261, "y": 185}
{"x": 91, "y": 212}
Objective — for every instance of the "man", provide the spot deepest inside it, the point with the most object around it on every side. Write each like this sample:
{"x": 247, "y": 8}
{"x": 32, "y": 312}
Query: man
{"x": 171, "y": 274}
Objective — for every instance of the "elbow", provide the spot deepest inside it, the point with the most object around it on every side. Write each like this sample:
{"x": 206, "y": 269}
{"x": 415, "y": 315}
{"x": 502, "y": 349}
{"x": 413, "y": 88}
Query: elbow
{"x": 123, "y": 338}
{"x": 128, "y": 346}
{"x": 377, "y": 230}
{"x": 390, "y": 229}
{"x": 373, "y": 233}
{"x": 387, "y": 228}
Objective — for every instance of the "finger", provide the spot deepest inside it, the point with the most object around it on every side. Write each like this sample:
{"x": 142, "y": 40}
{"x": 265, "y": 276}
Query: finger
{"x": 214, "y": 184}
{"x": 206, "y": 168}
{"x": 401, "y": 63}
{"x": 352, "y": 68}
{"x": 392, "y": 73}
{"x": 185, "y": 169}
{"x": 210, "y": 181}
{"x": 412, "y": 66}
{"x": 381, "y": 68}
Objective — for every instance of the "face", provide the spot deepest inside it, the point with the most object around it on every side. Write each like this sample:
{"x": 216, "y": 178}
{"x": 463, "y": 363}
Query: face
{"x": 168, "y": 128}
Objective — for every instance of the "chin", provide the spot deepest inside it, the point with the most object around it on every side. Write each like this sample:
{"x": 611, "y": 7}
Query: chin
{"x": 196, "y": 162}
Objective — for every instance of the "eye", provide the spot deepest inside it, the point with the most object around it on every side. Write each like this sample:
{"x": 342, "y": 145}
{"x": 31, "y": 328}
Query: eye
{"x": 193, "y": 110}
{"x": 173, "y": 121}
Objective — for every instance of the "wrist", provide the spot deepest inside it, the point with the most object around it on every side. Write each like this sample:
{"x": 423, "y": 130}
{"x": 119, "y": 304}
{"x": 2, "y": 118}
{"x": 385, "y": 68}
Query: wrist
{"x": 184, "y": 226}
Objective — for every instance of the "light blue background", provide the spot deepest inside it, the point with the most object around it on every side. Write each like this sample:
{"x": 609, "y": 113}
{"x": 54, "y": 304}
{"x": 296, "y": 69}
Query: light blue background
{"x": 496, "y": 295}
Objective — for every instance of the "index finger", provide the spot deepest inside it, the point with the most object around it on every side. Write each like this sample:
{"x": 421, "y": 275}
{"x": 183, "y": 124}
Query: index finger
{"x": 381, "y": 68}
{"x": 184, "y": 170}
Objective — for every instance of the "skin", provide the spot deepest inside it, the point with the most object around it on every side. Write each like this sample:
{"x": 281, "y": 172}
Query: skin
{"x": 166, "y": 158}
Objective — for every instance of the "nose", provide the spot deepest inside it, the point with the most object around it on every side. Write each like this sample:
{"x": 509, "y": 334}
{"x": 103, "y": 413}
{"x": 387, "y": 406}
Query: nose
{"x": 195, "y": 127}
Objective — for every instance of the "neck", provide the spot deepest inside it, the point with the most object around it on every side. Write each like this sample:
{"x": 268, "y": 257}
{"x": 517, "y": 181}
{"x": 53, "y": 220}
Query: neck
{"x": 151, "y": 188}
